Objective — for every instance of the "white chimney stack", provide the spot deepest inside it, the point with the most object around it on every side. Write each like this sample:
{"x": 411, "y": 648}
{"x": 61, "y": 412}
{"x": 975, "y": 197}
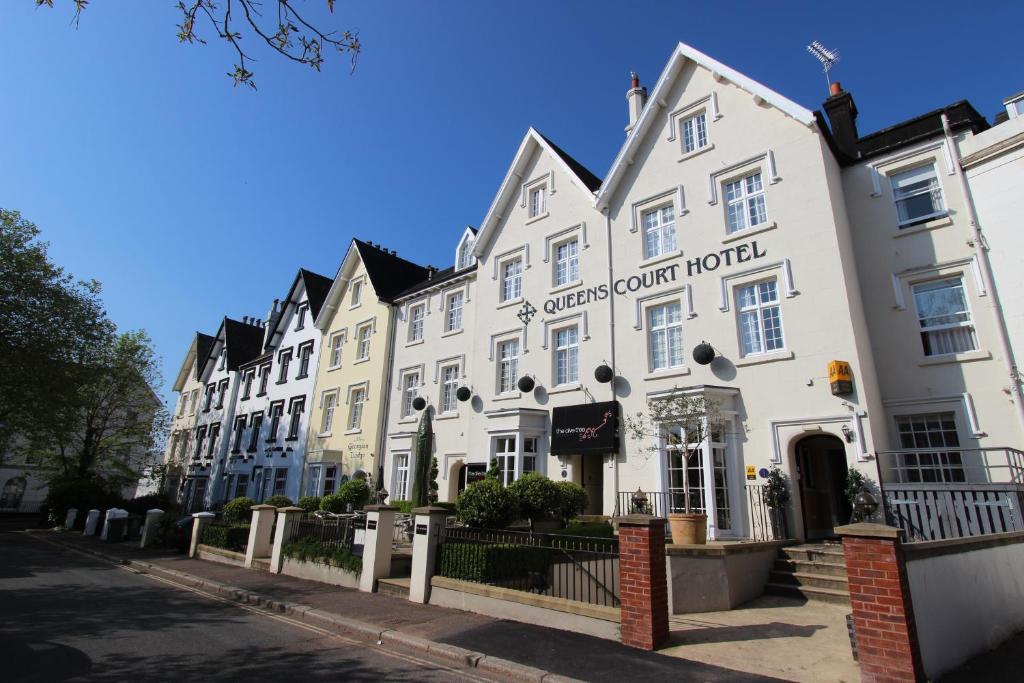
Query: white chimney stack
{"x": 636, "y": 98}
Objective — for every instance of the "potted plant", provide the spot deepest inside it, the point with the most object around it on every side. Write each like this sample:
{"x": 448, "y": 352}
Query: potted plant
{"x": 678, "y": 420}
{"x": 775, "y": 495}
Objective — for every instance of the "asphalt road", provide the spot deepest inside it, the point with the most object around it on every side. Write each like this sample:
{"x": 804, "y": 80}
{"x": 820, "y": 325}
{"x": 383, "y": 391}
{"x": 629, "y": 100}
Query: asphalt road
{"x": 68, "y": 617}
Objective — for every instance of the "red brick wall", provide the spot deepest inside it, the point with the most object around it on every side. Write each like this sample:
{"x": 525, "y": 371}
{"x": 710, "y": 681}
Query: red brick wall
{"x": 643, "y": 586}
{"x": 883, "y": 615}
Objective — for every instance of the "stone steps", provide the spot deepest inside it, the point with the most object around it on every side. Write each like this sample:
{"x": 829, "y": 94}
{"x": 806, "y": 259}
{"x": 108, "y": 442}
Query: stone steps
{"x": 812, "y": 572}
{"x": 829, "y": 595}
{"x": 809, "y": 567}
{"x": 397, "y": 587}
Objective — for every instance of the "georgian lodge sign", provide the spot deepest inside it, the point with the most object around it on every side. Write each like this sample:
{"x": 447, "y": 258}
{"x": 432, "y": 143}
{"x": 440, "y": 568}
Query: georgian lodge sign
{"x": 741, "y": 253}
{"x": 585, "y": 428}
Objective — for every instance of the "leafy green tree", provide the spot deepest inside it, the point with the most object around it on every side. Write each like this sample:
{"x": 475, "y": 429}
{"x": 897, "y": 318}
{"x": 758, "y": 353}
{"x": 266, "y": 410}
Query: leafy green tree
{"x": 290, "y": 34}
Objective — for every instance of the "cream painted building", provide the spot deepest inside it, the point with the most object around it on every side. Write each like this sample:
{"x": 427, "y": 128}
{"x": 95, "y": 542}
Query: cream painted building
{"x": 354, "y": 370}
{"x": 183, "y": 419}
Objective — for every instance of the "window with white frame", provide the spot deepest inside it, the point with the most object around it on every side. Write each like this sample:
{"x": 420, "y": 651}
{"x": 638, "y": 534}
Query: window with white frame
{"x": 182, "y": 401}
{"x": 194, "y": 403}
{"x": 508, "y": 365}
{"x": 449, "y": 385}
{"x": 297, "y": 407}
{"x": 465, "y": 255}
{"x": 512, "y": 279}
{"x": 760, "y": 318}
{"x": 305, "y": 351}
{"x": 247, "y": 384}
{"x": 300, "y": 316}
{"x": 313, "y": 480}
{"x": 280, "y": 481}
{"x": 355, "y": 408}
{"x": 410, "y": 389}
{"x": 918, "y": 195}
{"x": 505, "y": 453}
{"x": 687, "y": 485}
{"x": 665, "y": 336}
{"x": 923, "y": 440}
{"x": 529, "y": 454}
{"x": 363, "y": 342}
{"x": 284, "y": 360}
{"x": 944, "y": 316}
{"x": 211, "y": 444}
{"x": 567, "y": 348}
{"x": 276, "y": 410}
{"x": 416, "y": 315}
{"x": 744, "y": 202}
{"x": 357, "y": 293}
{"x": 255, "y": 425}
{"x": 330, "y": 402}
{"x": 659, "y": 231}
{"x": 567, "y": 262}
{"x": 453, "y": 319}
{"x": 337, "y": 343}
{"x": 694, "y": 132}
{"x": 330, "y": 479}
{"x": 401, "y": 486}
{"x": 264, "y": 378}
{"x": 538, "y": 201}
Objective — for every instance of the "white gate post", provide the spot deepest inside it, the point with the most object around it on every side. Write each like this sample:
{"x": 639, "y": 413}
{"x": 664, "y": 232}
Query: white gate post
{"x": 91, "y": 520}
{"x": 380, "y": 530}
{"x": 287, "y": 524}
{"x": 153, "y": 518}
{"x": 199, "y": 520}
{"x": 69, "y": 519}
{"x": 429, "y": 522}
{"x": 259, "y": 533}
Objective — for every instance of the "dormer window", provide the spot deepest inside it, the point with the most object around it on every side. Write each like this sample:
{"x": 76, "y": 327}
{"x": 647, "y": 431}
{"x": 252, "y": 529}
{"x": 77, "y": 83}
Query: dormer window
{"x": 223, "y": 358}
{"x": 465, "y": 255}
{"x": 538, "y": 201}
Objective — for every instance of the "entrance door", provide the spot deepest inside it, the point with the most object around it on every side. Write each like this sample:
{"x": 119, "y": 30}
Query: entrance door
{"x": 821, "y": 464}
{"x": 592, "y": 476}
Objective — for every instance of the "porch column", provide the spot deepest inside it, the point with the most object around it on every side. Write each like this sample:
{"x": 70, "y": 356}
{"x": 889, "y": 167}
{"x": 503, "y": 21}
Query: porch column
{"x": 883, "y": 613}
{"x": 259, "y": 533}
{"x": 708, "y": 467}
{"x": 429, "y": 522}
{"x": 199, "y": 520}
{"x": 380, "y": 531}
{"x": 643, "y": 585}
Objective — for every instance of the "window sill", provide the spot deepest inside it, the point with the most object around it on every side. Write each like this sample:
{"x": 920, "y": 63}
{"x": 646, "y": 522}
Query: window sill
{"x": 564, "y": 388}
{"x": 749, "y": 232}
{"x": 538, "y": 217}
{"x": 568, "y": 285}
{"x": 965, "y": 357}
{"x": 261, "y": 394}
{"x": 355, "y": 306}
{"x": 301, "y": 376}
{"x": 511, "y": 302}
{"x": 667, "y": 372}
{"x": 507, "y": 397}
{"x": 452, "y": 333}
{"x": 333, "y": 368}
{"x": 291, "y": 438}
{"x": 353, "y": 431}
{"x": 697, "y": 152}
{"x": 447, "y": 416}
{"x": 661, "y": 258}
{"x": 932, "y": 224}
{"x": 411, "y": 419}
{"x": 360, "y": 360}
{"x": 760, "y": 358}
{"x": 244, "y": 398}
{"x": 323, "y": 435}
{"x": 281, "y": 381}
{"x": 414, "y": 342}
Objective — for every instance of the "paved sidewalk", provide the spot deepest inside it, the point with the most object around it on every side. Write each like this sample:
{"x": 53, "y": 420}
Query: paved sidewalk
{"x": 508, "y": 648}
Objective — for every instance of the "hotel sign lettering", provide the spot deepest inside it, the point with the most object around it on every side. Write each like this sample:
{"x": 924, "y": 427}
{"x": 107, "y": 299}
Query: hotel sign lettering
{"x": 654, "y": 277}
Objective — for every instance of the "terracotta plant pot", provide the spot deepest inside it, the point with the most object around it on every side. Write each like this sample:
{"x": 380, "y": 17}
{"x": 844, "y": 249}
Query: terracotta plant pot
{"x": 688, "y": 529}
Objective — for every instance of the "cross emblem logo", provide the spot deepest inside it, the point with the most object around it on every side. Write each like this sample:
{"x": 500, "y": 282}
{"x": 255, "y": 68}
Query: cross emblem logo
{"x": 526, "y": 312}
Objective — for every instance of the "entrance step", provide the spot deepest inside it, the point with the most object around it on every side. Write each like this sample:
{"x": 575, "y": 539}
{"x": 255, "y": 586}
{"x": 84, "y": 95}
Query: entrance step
{"x": 261, "y": 563}
{"x": 813, "y": 571}
{"x": 396, "y": 587}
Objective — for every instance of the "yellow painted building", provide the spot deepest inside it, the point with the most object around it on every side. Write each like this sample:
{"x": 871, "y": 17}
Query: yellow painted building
{"x": 350, "y": 399}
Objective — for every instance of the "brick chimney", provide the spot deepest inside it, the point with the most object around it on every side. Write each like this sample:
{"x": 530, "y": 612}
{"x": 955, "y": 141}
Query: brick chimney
{"x": 636, "y": 98}
{"x": 842, "y": 116}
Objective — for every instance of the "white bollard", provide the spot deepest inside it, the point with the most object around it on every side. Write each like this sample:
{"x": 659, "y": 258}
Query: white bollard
{"x": 153, "y": 518}
{"x": 429, "y": 523}
{"x": 260, "y": 540}
{"x": 380, "y": 529}
{"x": 112, "y": 513}
{"x": 70, "y": 517}
{"x": 92, "y": 520}
{"x": 199, "y": 520}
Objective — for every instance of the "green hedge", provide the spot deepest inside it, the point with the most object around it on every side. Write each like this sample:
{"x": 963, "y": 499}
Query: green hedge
{"x": 308, "y": 550}
{"x": 309, "y": 504}
{"x": 223, "y": 536}
{"x": 491, "y": 563}
{"x": 404, "y": 506}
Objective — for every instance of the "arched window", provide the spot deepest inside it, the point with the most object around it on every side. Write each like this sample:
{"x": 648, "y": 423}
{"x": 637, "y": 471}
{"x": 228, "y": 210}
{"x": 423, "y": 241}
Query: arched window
{"x": 13, "y": 490}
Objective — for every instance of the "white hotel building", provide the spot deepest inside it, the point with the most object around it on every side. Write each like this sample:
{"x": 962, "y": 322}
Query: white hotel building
{"x": 734, "y": 217}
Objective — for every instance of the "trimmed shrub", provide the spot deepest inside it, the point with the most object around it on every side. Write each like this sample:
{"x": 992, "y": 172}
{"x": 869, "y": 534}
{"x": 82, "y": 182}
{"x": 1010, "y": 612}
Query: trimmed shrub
{"x": 159, "y": 501}
{"x": 572, "y": 499}
{"x": 308, "y": 550}
{"x": 595, "y": 530}
{"x": 226, "y": 536}
{"x": 492, "y": 563}
{"x": 279, "y": 501}
{"x": 237, "y": 510}
{"x": 355, "y": 492}
{"x": 81, "y": 494}
{"x": 309, "y": 504}
{"x": 404, "y": 506}
{"x": 487, "y": 504}
{"x": 537, "y": 496}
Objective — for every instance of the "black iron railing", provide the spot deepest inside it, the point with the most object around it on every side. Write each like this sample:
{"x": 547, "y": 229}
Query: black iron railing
{"x": 766, "y": 523}
{"x": 656, "y": 503}
{"x": 576, "y": 568}
{"x": 336, "y": 531}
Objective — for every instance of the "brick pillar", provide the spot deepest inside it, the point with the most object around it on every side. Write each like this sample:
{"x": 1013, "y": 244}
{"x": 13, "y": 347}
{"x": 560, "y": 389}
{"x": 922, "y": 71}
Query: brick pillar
{"x": 883, "y": 615}
{"x": 643, "y": 587}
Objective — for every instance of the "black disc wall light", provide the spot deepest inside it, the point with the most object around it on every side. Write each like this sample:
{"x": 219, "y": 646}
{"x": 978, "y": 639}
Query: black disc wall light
{"x": 463, "y": 394}
{"x": 419, "y": 403}
{"x": 604, "y": 374}
{"x": 703, "y": 353}
{"x": 526, "y": 384}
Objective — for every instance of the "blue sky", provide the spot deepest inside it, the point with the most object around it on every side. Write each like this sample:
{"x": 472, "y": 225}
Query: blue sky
{"x": 190, "y": 200}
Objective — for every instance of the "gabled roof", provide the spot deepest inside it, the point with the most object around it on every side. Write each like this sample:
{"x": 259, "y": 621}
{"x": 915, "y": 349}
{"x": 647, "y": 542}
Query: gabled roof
{"x": 581, "y": 177}
{"x": 243, "y": 342}
{"x": 654, "y": 108}
{"x": 316, "y": 287}
{"x": 438, "y": 278}
{"x": 203, "y": 345}
{"x": 189, "y": 362}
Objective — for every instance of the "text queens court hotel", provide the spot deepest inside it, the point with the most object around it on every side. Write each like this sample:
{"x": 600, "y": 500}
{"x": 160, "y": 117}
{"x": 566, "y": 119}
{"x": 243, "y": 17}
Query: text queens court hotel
{"x": 735, "y": 219}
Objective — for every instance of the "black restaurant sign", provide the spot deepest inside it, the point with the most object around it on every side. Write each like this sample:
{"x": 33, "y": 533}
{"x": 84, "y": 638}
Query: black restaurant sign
{"x": 585, "y": 428}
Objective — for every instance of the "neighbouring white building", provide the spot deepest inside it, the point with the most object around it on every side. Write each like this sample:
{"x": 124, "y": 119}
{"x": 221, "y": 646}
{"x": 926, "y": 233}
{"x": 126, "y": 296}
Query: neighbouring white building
{"x": 181, "y": 435}
{"x": 818, "y": 285}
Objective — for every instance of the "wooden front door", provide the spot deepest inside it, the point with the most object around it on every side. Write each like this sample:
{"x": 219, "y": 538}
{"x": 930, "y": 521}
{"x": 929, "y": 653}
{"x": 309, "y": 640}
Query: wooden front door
{"x": 821, "y": 463}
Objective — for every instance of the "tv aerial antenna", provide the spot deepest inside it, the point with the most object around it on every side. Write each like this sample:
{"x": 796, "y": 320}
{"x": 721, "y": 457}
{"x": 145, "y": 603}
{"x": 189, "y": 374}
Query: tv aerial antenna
{"x": 827, "y": 57}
